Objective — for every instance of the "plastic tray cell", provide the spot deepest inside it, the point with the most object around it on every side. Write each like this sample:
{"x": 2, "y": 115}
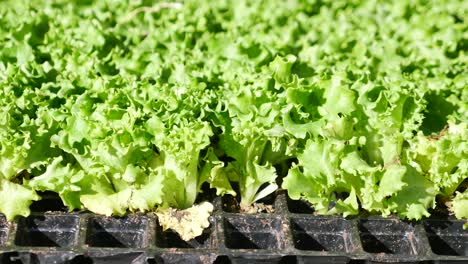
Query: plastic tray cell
{"x": 115, "y": 258}
{"x": 3, "y": 230}
{"x": 291, "y": 234}
{"x": 124, "y": 232}
{"x": 184, "y": 257}
{"x": 322, "y": 234}
{"x": 253, "y": 232}
{"x": 326, "y": 260}
{"x": 388, "y": 236}
{"x": 47, "y": 231}
{"x": 259, "y": 259}
{"x": 447, "y": 237}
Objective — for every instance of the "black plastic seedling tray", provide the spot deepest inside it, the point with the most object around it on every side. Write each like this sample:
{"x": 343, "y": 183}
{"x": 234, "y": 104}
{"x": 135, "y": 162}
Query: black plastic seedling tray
{"x": 291, "y": 234}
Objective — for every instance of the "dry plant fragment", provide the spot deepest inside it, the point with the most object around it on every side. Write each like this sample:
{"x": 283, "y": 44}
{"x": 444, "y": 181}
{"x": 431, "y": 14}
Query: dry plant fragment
{"x": 188, "y": 223}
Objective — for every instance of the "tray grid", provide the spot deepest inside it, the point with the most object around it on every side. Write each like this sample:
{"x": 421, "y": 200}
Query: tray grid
{"x": 290, "y": 234}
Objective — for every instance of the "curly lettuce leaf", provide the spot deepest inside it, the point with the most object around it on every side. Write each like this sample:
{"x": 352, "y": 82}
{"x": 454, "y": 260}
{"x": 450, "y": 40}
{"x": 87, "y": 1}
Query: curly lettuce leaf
{"x": 15, "y": 199}
{"x": 460, "y": 205}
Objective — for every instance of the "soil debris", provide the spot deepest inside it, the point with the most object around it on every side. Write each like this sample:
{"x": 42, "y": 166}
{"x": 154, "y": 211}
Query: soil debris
{"x": 257, "y": 208}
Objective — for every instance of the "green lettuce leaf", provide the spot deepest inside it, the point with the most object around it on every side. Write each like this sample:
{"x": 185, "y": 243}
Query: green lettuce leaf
{"x": 15, "y": 199}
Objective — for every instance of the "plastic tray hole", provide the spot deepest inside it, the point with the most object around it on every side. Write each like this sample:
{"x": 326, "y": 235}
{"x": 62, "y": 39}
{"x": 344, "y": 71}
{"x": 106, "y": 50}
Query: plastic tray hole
{"x": 102, "y": 238}
{"x": 237, "y": 240}
{"x": 155, "y": 260}
{"x": 10, "y": 257}
{"x": 80, "y": 260}
{"x": 114, "y": 233}
{"x": 388, "y": 244}
{"x": 319, "y": 242}
{"x": 288, "y": 260}
{"x": 19, "y": 258}
{"x": 389, "y": 239}
{"x": 46, "y": 231}
{"x": 299, "y": 206}
{"x": 449, "y": 245}
{"x": 319, "y": 234}
{"x": 37, "y": 239}
{"x": 374, "y": 244}
{"x": 447, "y": 237}
{"x": 170, "y": 239}
{"x": 256, "y": 238}
{"x": 222, "y": 260}
{"x": 357, "y": 261}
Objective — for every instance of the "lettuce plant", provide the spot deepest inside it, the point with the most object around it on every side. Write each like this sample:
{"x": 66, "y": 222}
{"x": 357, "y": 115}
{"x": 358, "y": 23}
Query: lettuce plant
{"x": 123, "y": 106}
